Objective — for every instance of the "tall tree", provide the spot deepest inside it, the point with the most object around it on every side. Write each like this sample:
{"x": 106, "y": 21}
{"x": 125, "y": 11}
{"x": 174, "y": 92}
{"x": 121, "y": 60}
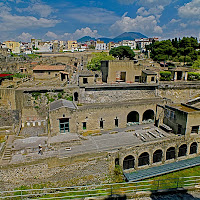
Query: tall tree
{"x": 95, "y": 63}
{"x": 122, "y": 52}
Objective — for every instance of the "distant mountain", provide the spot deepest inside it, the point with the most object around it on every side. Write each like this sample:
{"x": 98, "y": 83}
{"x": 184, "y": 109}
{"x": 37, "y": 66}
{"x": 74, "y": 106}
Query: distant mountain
{"x": 85, "y": 39}
{"x": 106, "y": 40}
{"x": 129, "y": 36}
{"x": 123, "y": 36}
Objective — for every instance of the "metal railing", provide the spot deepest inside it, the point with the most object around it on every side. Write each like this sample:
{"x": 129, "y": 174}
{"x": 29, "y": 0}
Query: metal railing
{"x": 77, "y": 192}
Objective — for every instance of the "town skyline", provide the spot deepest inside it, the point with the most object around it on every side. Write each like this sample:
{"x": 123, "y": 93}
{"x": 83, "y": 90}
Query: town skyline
{"x": 71, "y": 20}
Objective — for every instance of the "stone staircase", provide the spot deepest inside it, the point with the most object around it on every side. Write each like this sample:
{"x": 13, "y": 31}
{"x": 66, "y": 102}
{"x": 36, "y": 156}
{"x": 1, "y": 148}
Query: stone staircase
{"x": 7, "y": 154}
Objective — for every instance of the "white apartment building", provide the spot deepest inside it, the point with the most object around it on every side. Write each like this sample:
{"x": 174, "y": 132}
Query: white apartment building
{"x": 100, "y": 45}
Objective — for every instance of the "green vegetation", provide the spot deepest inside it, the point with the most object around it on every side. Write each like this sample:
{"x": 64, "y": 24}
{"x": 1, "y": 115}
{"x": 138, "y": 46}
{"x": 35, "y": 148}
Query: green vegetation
{"x": 171, "y": 180}
{"x": 194, "y": 171}
{"x": 118, "y": 174}
{"x": 165, "y": 76}
{"x": 193, "y": 76}
{"x": 196, "y": 64}
{"x": 33, "y": 56}
{"x": 95, "y": 63}
{"x": 19, "y": 75}
{"x": 36, "y": 95}
{"x": 182, "y": 50}
{"x": 122, "y": 52}
{"x": 2, "y": 138}
{"x": 69, "y": 98}
{"x": 91, "y": 47}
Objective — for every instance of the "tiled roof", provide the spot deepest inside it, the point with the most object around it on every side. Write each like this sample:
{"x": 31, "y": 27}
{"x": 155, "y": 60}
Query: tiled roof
{"x": 62, "y": 103}
{"x": 49, "y": 68}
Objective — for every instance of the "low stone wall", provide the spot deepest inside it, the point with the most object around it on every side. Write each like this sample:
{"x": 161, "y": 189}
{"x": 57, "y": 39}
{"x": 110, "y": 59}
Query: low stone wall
{"x": 54, "y": 172}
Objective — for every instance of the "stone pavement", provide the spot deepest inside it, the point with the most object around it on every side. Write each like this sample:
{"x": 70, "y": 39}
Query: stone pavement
{"x": 70, "y": 144}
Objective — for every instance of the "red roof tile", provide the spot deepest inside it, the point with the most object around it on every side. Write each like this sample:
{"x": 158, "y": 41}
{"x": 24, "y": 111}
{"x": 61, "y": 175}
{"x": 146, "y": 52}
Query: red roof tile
{"x": 4, "y": 75}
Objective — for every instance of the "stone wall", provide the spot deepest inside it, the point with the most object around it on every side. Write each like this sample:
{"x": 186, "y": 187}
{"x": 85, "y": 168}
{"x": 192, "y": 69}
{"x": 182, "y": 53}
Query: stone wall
{"x": 151, "y": 147}
{"x": 9, "y": 117}
{"x": 7, "y": 99}
{"x": 127, "y": 92}
{"x": 178, "y": 95}
{"x": 93, "y": 114}
{"x": 54, "y": 172}
{"x": 116, "y": 93}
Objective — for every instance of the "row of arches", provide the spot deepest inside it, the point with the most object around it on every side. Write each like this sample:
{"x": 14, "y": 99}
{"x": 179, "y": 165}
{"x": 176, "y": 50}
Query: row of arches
{"x": 143, "y": 159}
{"x": 134, "y": 116}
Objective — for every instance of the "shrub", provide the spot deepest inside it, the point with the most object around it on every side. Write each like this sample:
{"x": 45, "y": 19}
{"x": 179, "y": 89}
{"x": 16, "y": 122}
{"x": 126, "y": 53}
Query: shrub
{"x": 36, "y": 95}
{"x": 165, "y": 76}
{"x": 193, "y": 76}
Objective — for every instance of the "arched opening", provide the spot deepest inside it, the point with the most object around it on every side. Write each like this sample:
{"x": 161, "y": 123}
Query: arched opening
{"x": 143, "y": 159}
{"x": 133, "y": 117}
{"x": 116, "y": 161}
{"x": 193, "y": 148}
{"x": 157, "y": 156}
{"x": 148, "y": 115}
{"x": 170, "y": 154}
{"x": 129, "y": 162}
{"x": 75, "y": 96}
{"x": 182, "y": 150}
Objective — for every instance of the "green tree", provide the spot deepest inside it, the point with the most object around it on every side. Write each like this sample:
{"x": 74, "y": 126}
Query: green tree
{"x": 122, "y": 52}
{"x": 91, "y": 47}
{"x": 196, "y": 64}
{"x": 95, "y": 63}
{"x": 165, "y": 75}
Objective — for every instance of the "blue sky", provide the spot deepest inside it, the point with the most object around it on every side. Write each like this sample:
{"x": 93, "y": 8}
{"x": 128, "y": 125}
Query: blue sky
{"x": 22, "y": 20}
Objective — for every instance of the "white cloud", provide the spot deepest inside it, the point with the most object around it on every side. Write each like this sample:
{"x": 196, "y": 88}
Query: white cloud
{"x": 13, "y": 22}
{"x": 173, "y": 21}
{"x": 37, "y": 8}
{"x": 85, "y": 32}
{"x": 146, "y": 3}
{"x": 93, "y": 15}
{"x": 51, "y": 35}
{"x": 74, "y": 36}
{"x": 146, "y": 25}
{"x": 150, "y": 3}
{"x": 25, "y": 37}
{"x": 190, "y": 10}
{"x": 127, "y": 2}
{"x": 183, "y": 25}
{"x": 157, "y": 10}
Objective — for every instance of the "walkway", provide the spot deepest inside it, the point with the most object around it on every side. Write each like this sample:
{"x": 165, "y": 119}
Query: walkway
{"x": 163, "y": 169}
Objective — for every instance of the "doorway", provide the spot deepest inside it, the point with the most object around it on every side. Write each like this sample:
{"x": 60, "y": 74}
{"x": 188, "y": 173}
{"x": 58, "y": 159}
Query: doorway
{"x": 64, "y": 125}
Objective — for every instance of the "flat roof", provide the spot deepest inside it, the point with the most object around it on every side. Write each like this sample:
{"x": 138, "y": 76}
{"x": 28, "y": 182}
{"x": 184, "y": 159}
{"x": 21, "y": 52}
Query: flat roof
{"x": 49, "y": 68}
{"x": 183, "y": 108}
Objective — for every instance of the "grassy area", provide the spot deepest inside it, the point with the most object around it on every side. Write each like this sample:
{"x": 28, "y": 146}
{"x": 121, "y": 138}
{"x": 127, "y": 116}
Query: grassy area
{"x": 194, "y": 171}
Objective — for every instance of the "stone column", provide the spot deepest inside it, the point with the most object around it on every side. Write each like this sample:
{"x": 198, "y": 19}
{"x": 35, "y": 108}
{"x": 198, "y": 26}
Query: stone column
{"x": 164, "y": 156}
{"x": 176, "y": 152}
{"x": 186, "y": 76}
{"x": 140, "y": 117}
{"x": 151, "y": 158}
{"x": 175, "y": 76}
{"x": 136, "y": 163}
